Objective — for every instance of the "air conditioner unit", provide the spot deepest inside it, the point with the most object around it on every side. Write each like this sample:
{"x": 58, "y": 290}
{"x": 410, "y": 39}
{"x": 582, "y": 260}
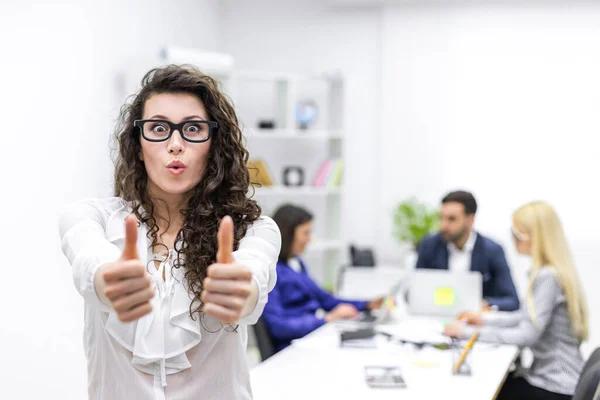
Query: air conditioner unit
{"x": 211, "y": 63}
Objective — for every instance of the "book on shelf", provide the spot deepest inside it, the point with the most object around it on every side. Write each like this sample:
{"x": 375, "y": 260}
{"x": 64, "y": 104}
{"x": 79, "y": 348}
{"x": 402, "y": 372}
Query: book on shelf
{"x": 259, "y": 172}
{"x": 329, "y": 174}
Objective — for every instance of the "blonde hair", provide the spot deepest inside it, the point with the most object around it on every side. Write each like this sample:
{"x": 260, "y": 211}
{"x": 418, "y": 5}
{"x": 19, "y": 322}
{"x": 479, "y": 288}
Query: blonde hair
{"x": 549, "y": 249}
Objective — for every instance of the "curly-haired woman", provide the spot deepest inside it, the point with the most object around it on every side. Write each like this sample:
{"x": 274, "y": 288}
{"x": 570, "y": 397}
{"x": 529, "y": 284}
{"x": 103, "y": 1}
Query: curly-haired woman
{"x": 172, "y": 268}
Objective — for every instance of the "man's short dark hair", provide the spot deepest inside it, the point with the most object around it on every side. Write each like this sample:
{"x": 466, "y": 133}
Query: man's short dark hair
{"x": 464, "y": 198}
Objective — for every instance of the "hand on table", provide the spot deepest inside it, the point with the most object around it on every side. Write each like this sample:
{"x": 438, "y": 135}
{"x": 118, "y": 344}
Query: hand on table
{"x": 375, "y": 304}
{"x": 471, "y": 318}
{"x": 342, "y": 311}
{"x": 454, "y": 329}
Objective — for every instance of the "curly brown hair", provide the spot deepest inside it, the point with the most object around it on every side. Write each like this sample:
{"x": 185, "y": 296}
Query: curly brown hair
{"x": 222, "y": 190}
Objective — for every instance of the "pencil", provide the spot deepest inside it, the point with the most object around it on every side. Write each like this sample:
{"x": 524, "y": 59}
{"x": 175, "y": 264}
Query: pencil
{"x": 465, "y": 351}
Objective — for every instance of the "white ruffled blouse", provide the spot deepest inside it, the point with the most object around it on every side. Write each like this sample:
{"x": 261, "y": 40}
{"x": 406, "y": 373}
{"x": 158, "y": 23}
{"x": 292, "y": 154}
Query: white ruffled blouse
{"x": 165, "y": 354}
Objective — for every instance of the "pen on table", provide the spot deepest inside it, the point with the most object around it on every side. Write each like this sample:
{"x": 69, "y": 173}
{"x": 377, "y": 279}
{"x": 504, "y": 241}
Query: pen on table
{"x": 465, "y": 351}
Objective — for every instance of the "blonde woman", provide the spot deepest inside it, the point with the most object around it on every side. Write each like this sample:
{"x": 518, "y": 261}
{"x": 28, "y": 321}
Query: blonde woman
{"x": 553, "y": 320}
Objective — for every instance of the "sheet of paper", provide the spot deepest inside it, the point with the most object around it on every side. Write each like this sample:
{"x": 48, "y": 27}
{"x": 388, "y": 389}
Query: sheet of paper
{"x": 416, "y": 331}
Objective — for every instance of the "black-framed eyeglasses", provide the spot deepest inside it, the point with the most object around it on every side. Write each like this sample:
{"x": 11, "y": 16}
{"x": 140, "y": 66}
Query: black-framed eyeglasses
{"x": 159, "y": 130}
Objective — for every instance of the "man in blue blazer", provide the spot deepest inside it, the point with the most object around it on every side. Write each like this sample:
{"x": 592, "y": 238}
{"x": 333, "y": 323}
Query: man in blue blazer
{"x": 459, "y": 248}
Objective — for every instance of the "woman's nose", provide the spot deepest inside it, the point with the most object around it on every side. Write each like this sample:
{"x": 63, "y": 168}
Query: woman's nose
{"x": 175, "y": 145}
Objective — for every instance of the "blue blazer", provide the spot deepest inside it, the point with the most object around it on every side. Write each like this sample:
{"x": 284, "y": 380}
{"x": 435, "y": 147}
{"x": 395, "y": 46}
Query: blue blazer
{"x": 487, "y": 258}
{"x": 290, "y": 311}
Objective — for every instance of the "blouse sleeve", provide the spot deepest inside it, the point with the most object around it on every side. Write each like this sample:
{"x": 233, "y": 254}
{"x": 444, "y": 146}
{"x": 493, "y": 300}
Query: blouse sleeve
{"x": 526, "y": 332}
{"x": 259, "y": 250}
{"x": 503, "y": 319}
{"x": 85, "y": 245}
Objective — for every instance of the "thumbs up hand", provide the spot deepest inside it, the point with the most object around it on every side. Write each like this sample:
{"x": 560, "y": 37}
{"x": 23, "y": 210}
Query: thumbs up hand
{"x": 126, "y": 283}
{"x": 228, "y": 287}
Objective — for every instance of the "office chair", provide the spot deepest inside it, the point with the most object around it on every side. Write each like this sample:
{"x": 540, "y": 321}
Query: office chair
{"x": 589, "y": 379}
{"x": 361, "y": 257}
{"x": 593, "y": 359}
{"x": 263, "y": 339}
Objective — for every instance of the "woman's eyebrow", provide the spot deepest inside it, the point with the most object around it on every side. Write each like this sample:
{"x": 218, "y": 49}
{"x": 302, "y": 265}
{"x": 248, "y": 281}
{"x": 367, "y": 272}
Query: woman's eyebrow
{"x": 159, "y": 116}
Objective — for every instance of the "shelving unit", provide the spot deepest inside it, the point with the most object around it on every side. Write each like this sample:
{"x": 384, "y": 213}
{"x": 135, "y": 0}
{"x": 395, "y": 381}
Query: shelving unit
{"x": 260, "y": 95}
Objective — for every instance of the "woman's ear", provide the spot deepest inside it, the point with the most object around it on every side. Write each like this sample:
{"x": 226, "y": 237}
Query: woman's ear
{"x": 141, "y": 155}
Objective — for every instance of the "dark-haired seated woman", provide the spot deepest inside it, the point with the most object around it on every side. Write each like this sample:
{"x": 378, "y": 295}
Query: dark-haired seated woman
{"x": 297, "y": 305}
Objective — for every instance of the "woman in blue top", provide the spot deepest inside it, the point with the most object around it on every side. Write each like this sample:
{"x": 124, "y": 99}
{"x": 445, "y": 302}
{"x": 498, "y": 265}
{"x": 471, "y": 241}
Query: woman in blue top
{"x": 297, "y": 305}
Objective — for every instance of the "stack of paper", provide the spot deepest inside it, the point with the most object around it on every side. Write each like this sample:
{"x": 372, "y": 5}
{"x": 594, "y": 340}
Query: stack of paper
{"x": 416, "y": 331}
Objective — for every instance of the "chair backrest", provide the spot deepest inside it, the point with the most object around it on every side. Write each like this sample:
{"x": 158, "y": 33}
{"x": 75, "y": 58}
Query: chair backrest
{"x": 594, "y": 358}
{"x": 263, "y": 339}
{"x": 588, "y": 384}
{"x": 361, "y": 257}
{"x": 589, "y": 379}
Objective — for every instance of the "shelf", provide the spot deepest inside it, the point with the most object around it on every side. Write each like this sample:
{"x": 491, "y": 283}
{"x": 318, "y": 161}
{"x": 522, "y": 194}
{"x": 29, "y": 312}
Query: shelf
{"x": 274, "y": 96}
{"x": 296, "y": 191}
{"x": 294, "y": 134}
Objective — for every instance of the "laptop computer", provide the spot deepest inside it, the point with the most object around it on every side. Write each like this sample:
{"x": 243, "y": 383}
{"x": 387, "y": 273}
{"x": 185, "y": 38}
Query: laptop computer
{"x": 444, "y": 293}
{"x": 388, "y": 306}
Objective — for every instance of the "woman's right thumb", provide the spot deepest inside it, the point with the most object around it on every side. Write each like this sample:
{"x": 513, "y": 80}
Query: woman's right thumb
{"x": 131, "y": 233}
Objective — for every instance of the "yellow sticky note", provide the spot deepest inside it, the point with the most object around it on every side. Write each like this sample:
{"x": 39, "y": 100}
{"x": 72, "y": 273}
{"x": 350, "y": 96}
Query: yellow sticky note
{"x": 425, "y": 363}
{"x": 444, "y": 297}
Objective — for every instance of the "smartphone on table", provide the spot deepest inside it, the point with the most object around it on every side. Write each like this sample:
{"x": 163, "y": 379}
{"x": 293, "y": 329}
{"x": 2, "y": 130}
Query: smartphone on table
{"x": 379, "y": 376}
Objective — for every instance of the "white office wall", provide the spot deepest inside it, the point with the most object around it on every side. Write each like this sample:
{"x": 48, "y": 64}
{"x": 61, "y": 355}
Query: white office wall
{"x": 507, "y": 90}
{"x": 502, "y": 100}
{"x": 59, "y": 76}
{"x": 495, "y": 97}
{"x": 310, "y": 36}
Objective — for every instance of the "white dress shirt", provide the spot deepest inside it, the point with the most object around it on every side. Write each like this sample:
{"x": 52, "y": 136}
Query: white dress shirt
{"x": 294, "y": 263}
{"x": 460, "y": 260}
{"x": 165, "y": 354}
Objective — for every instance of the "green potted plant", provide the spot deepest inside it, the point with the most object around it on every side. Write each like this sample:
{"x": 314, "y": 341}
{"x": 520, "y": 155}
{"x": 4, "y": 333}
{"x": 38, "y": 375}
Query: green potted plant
{"x": 414, "y": 220}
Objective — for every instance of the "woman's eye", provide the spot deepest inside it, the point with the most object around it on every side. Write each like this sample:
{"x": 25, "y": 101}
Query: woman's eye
{"x": 158, "y": 128}
{"x": 195, "y": 129}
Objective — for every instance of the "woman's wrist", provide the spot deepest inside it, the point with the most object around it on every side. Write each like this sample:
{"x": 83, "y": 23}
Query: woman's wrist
{"x": 99, "y": 284}
{"x": 252, "y": 299}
